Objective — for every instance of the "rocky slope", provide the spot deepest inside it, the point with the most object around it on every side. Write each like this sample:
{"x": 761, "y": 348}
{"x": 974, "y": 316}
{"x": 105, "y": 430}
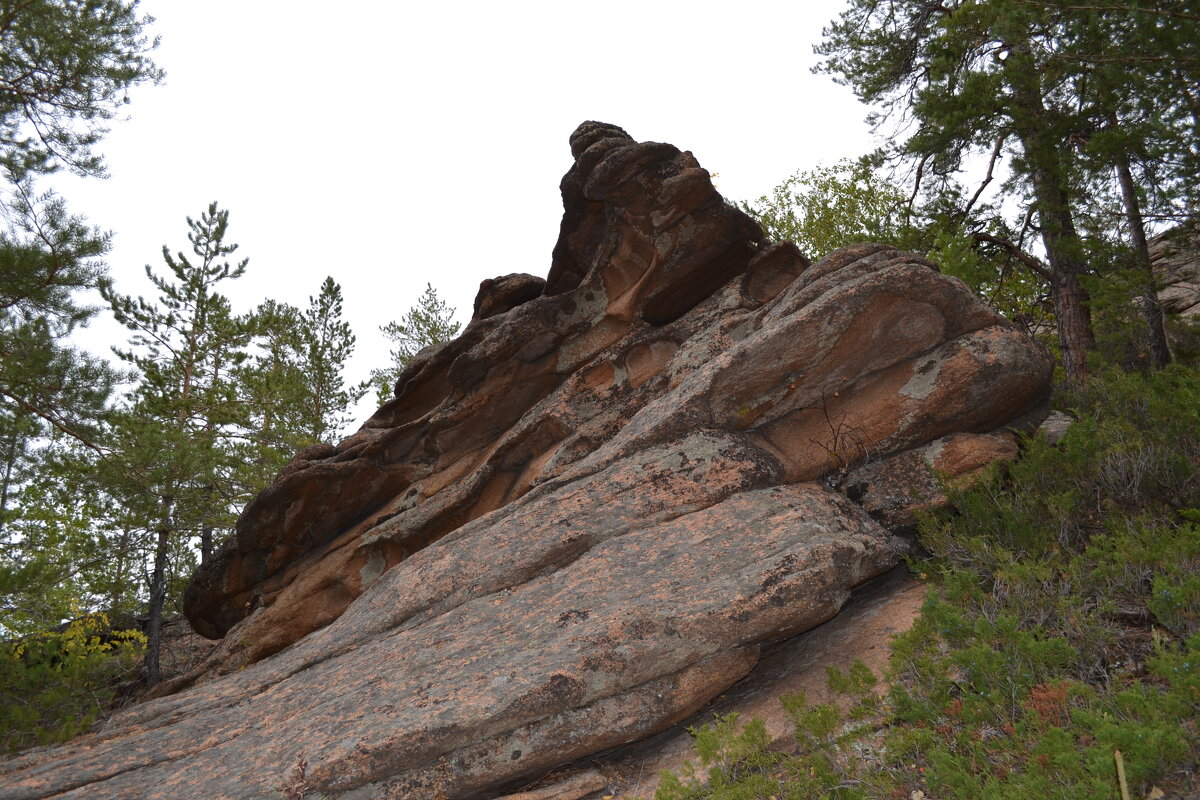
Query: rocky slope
{"x": 583, "y": 519}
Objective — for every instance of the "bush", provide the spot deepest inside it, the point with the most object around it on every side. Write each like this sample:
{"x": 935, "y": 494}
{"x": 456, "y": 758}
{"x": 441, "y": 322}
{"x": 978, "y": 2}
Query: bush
{"x": 55, "y": 685}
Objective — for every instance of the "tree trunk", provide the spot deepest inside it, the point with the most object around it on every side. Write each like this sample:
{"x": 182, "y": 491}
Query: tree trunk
{"x": 116, "y": 596}
{"x": 158, "y": 597}
{"x": 1064, "y": 247}
{"x": 1074, "y": 319}
{"x": 206, "y": 544}
{"x": 1064, "y": 252}
{"x": 10, "y": 460}
{"x": 1160, "y": 352}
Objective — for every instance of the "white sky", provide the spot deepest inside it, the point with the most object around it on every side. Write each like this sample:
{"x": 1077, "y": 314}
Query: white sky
{"x": 390, "y": 144}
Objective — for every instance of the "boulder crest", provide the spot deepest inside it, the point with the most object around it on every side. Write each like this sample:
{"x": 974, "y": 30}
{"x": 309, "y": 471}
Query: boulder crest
{"x": 581, "y": 520}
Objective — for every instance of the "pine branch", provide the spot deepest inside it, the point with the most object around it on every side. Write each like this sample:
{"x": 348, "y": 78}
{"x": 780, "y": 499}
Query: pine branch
{"x": 1025, "y": 258}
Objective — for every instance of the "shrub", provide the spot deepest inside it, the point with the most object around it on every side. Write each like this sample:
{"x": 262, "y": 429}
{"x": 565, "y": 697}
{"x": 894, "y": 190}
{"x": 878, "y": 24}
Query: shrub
{"x": 55, "y": 685}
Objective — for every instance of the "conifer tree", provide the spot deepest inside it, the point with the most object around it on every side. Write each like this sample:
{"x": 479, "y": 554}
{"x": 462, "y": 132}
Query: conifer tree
{"x": 293, "y": 387}
{"x": 327, "y": 343}
{"x": 173, "y": 437}
{"x": 47, "y": 257}
{"x": 1136, "y": 71}
{"x": 65, "y": 70}
{"x": 272, "y": 387}
{"x": 1021, "y": 78}
{"x": 429, "y": 322}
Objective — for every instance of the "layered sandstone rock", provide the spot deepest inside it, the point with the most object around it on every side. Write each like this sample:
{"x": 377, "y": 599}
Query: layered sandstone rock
{"x": 1175, "y": 256}
{"x": 580, "y": 521}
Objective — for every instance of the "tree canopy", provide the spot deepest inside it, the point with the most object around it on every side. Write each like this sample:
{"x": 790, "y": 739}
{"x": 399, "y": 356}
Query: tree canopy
{"x": 1034, "y": 82}
{"x": 825, "y": 208}
{"x": 66, "y": 68}
{"x": 430, "y": 321}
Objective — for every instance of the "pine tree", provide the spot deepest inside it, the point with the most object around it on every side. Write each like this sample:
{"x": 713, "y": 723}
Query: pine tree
{"x": 328, "y": 342}
{"x": 66, "y": 69}
{"x": 172, "y": 440}
{"x": 1136, "y": 77}
{"x": 272, "y": 386}
{"x": 427, "y": 323}
{"x": 47, "y": 257}
{"x": 293, "y": 387}
{"x": 1020, "y": 79}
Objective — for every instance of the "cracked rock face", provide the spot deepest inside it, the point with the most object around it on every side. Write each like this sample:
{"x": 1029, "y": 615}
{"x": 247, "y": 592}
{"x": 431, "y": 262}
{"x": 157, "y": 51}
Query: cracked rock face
{"x": 1175, "y": 256}
{"x": 580, "y": 521}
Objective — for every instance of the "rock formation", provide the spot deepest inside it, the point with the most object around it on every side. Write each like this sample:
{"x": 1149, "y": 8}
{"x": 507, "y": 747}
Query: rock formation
{"x": 1175, "y": 256}
{"x": 584, "y": 518}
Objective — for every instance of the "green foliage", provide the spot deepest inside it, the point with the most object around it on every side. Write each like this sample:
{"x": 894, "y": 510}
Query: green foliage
{"x": 741, "y": 763}
{"x": 67, "y": 67}
{"x": 1064, "y": 95}
{"x": 271, "y": 385}
{"x": 47, "y": 257}
{"x": 1037, "y": 638}
{"x": 995, "y": 275}
{"x": 429, "y": 322}
{"x": 293, "y": 388}
{"x": 56, "y": 685}
{"x": 172, "y": 443}
{"x": 858, "y": 681}
{"x": 172, "y": 470}
{"x": 326, "y": 342}
{"x": 294, "y": 385}
{"x": 1003, "y": 722}
{"x": 55, "y": 559}
{"x": 736, "y": 761}
{"x": 1175, "y": 593}
{"x": 830, "y": 207}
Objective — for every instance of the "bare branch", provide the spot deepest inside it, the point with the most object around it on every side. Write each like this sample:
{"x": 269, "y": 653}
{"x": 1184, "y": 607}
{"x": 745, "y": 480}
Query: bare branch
{"x": 1025, "y": 258}
{"x": 987, "y": 178}
{"x": 917, "y": 180}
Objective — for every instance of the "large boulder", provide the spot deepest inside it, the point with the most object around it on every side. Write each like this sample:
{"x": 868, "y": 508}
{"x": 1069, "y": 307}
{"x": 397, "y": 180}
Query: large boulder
{"x": 580, "y": 521}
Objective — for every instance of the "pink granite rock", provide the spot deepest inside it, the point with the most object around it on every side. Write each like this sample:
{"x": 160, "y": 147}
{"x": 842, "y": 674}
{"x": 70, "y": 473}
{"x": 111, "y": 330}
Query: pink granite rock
{"x": 575, "y": 524}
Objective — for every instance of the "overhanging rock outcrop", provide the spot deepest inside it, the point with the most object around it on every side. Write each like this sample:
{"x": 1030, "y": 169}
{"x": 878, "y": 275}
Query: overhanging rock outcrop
{"x": 578, "y": 522}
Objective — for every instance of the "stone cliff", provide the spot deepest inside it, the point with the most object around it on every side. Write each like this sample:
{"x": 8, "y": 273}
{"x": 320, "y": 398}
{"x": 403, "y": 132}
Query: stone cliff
{"x": 1175, "y": 256}
{"x": 583, "y": 519}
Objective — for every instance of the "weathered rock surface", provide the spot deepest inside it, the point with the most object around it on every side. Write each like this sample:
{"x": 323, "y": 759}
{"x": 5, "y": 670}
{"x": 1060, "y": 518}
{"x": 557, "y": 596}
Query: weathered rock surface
{"x": 580, "y": 521}
{"x": 893, "y": 489}
{"x": 862, "y": 631}
{"x": 1175, "y": 256}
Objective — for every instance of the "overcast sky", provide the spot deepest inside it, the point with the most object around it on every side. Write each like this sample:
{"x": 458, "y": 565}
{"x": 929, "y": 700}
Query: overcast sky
{"x": 390, "y": 144}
